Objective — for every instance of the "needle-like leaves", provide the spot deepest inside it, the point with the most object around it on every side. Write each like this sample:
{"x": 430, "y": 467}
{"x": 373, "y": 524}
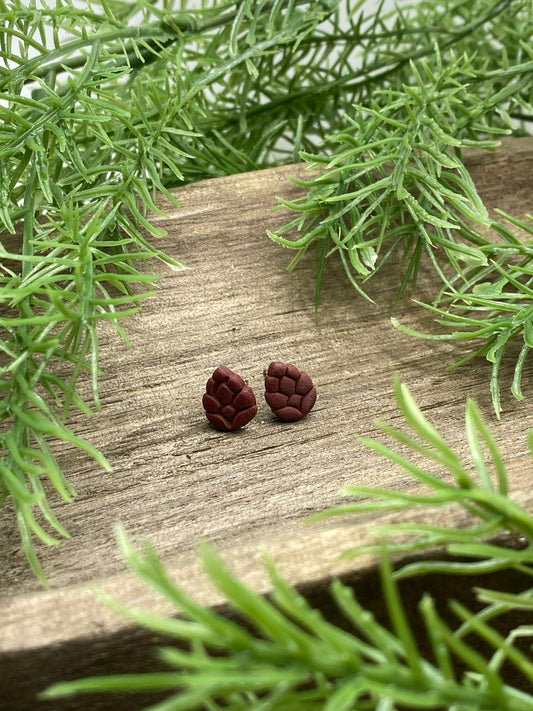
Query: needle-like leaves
{"x": 479, "y": 486}
{"x": 393, "y": 178}
{"x": 105, "y": 105}
{"x": 280, "y": 653}
{"x": 492, "y": 308}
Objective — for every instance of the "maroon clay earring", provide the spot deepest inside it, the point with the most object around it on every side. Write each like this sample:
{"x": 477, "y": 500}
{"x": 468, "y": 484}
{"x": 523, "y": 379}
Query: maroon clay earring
{"x": 289, "y": 391}
{"x": 228, "y": 402}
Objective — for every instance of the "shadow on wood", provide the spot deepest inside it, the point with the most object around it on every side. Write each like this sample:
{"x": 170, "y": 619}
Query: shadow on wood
{"x": 133, "y": 650}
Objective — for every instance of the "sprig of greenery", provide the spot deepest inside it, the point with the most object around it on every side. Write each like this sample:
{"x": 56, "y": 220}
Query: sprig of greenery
{"x": 90, "y": 137}
{"x": 79, "y": 258}
{"x": 285, "y": 655}
{"x": 493, "y": 306}
{"x": 394, "y": 177}
{"x": 483, "y": 494}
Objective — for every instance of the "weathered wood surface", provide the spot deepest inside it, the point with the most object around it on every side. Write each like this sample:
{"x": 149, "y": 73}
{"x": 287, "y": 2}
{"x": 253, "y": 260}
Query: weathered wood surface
{"x": 176, "y": 481}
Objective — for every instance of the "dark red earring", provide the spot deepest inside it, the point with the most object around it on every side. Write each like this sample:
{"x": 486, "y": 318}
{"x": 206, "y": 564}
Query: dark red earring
{"x": 228, "y": 402}
{"x": 289, "y": 391}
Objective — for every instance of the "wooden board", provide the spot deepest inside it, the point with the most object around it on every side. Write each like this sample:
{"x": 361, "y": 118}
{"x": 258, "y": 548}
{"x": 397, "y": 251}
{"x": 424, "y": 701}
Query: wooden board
{"x": 175, "y": 480}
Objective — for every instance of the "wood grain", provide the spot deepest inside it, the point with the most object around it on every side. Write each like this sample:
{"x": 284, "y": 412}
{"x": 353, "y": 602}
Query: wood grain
{"x": 176, "y": 481}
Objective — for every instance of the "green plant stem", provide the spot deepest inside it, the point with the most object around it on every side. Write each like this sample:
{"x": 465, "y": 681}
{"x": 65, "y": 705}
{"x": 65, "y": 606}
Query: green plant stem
{"x": 374, "y": 74}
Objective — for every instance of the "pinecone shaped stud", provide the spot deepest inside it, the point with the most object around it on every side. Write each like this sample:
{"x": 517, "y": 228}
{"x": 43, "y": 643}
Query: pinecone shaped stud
{"x": 289, "y": 391}
{"x": 228, "y": 402}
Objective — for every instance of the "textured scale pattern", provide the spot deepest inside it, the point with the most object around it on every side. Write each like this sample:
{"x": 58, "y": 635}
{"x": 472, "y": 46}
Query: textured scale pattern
{"x": 289, "y": 392}
{"x": 228, "y": 402}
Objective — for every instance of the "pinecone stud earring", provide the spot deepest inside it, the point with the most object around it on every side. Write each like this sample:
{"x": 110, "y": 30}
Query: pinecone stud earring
{"x": 289, "y": 391}
{"x": 228, "y": 402}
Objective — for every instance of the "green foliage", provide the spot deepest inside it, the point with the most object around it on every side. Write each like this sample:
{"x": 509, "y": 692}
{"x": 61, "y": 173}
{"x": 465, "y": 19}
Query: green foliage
{"x": 75, "y": 176}
{"x": 105, "y": 105}
{"x": 392, "y": 179}
{"x": 483, "y": 494}
{"x": 282, "y": 654}
{"x": 492, "y": 306}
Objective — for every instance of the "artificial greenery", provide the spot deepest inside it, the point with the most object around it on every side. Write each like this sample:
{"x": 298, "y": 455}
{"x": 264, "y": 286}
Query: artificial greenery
{"x": 392, "y": 179}
{"x": 129, "y": 100}
{"x": 285, "y": 655}
{"x": 107, "y": 104}
{"x": 492, "y": 306}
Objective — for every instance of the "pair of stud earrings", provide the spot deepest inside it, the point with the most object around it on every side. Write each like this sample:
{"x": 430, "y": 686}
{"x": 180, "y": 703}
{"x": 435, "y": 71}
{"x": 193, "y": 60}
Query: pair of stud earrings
{"x": 230, "y": 404}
